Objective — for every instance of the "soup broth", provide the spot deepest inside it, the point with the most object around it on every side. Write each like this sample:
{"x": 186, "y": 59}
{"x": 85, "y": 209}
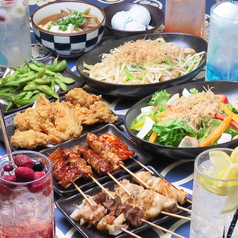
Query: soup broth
{"x": 69, "y": 21}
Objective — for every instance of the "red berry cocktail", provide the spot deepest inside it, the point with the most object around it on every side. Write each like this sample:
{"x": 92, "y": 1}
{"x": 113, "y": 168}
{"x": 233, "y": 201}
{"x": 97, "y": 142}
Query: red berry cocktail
{"x": 26, "y": 196}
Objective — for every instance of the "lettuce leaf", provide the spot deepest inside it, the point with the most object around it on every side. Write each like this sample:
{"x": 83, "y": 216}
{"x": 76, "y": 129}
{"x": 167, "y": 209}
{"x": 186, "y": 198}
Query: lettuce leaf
{"x": 159, "y": 98}
{"x": 170, "y": 133}
{"x": 193, "y": 91}
{"x": 142, "y": 116}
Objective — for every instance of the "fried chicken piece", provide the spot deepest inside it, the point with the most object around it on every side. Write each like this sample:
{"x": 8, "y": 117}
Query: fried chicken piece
{"x": 98, "y": 112}
{"x": 81, "y": 98}
{"x": 60, "y": 121}
{"x": 22, "y": 123}
{"x": 29, "y": 139}
{"x": 65, "y": 122}
{"x": 41, "y": 101}
{"x": 56, "y": 120}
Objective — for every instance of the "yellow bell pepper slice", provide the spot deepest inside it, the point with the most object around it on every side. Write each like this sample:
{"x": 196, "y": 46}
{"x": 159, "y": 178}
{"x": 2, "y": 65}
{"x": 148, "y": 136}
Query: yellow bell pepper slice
{"x": 138, "y": 125}
{"x": 227, "y": 110}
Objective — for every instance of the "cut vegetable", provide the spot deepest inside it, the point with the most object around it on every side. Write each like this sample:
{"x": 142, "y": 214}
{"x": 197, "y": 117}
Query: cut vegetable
{"x": 217, "y": 132}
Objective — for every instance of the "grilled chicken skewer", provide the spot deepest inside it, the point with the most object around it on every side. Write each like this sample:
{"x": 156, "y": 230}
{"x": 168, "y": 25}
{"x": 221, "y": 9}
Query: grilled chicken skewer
{"x": 72, "y": 164}
{"x": 134, "y": 210}
{"x": 161, "y": 186}
{"x": 68, "y": 166}
{"x": 111, "y": 149}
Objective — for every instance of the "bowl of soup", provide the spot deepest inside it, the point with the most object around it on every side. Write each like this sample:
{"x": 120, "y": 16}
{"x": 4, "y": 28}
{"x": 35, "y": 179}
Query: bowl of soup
{"x": 68, "y": 28}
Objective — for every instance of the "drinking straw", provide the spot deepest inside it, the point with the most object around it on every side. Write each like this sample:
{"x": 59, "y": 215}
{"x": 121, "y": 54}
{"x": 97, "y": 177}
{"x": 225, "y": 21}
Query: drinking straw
{"x": 5, "y": 137}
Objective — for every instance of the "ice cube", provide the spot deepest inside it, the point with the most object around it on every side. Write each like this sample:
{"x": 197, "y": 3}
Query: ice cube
{"x": 140, "y": 14}
{"x": 120, "y": 19}
{"x": 227, "y": 10}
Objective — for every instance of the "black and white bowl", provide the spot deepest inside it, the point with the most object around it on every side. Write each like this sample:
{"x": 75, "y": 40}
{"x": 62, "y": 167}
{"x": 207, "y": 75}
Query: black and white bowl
{"x": 72, "y": 44}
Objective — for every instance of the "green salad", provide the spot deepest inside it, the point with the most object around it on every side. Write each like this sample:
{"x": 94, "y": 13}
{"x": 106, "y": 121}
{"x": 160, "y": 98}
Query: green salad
{"x": 193, "y": 119}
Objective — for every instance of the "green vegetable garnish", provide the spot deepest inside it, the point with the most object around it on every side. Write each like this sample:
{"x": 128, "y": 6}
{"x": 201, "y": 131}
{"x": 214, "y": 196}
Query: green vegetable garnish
{"x": 75, "y": 18}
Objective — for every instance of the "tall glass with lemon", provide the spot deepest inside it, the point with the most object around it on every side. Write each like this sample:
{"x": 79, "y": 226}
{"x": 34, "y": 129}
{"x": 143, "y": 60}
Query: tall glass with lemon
{"x": 215, "y": 194}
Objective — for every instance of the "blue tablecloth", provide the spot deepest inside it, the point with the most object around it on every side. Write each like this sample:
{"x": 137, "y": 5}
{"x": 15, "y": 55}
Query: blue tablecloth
{"x": 179, "y": 172}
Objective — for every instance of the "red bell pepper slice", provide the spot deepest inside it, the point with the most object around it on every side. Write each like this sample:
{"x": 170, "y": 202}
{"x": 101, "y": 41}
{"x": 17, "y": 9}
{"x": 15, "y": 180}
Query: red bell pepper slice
{"x": 222, "y": 98}
{"x": 222, "y": 117}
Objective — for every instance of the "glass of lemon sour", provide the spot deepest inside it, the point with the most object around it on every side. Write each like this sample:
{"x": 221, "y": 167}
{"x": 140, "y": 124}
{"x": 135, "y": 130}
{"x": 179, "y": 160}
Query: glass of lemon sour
{"x": 215, "y": 194}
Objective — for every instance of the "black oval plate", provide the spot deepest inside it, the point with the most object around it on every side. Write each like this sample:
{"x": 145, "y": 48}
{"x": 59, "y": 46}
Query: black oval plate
{"x": 140, "y": 155}
{"x": 140, "y": 91}
{"x": 79, "y": 82}
{"x": 229, "y": 88}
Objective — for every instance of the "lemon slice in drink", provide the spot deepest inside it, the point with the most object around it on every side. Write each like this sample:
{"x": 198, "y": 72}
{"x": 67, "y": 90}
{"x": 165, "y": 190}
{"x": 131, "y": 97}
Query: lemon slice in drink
{"x": 209, "y": 185}
{"x": 220, "y": 160}
{"x": 231, "y": 202}
{"x": 230, "y": 173}
{"x": 234, "y": 155}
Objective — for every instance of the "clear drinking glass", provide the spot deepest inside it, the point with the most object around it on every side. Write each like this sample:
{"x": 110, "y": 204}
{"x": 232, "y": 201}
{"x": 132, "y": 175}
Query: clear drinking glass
{"x": 222, "y": 54}
{"x": 214, "y": 209}
{"x": 15, "y": 40}
{"x": 185, "y": 16}
{"x": 27, "y": 208}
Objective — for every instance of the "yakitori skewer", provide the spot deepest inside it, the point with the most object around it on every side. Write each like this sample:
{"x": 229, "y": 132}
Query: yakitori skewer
{"x": 111, "y": 148}
{"x": 119, "y": 209}
{"x": 108, "y": 150}
{"x": 161, "y": 186}
{"x": 149, "y": 196}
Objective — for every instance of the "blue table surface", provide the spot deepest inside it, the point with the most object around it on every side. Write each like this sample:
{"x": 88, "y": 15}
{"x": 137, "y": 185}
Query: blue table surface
{"x": 179, "y": 172}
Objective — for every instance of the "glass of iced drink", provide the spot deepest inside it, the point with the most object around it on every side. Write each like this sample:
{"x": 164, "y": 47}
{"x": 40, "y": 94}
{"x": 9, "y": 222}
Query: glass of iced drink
{"x": 185, "y": 16}
{"x": 15, "y": 40}
{"x": 26, "y": 196}
{"x": 215, "y": 194}
{"x": 222, "y": 54}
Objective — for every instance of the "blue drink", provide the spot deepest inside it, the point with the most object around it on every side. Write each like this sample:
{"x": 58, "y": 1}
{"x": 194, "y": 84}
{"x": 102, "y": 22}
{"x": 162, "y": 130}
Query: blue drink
{"x": 222, "y": 55}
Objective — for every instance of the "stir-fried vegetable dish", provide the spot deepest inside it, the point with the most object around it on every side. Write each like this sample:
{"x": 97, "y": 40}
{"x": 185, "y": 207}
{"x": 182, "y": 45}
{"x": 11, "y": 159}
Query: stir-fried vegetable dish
{"x": 143, "y": 62}
{"x": 193, "y": 119}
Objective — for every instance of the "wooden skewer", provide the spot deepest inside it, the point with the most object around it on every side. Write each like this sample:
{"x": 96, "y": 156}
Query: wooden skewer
{"x": 112, "y": 177}
{"x": 130, "y": 233}
{"x": 147, "y": 186}
{"x": 143, "y": 166}
{"x": 185, "y": 209}
{"x": 108, "y": 192}
{"x": 162, "y": 228}
{"x": 105, "y": 190}
{"x": 144, "y": 184}
{"x": 175, "y": 215}
{"x": 84, "y": 195}
{"x": 190, "y": 201}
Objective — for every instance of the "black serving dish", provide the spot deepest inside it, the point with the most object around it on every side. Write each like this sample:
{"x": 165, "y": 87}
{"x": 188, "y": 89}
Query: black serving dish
{"x": 140, "y": 155}
{"x": 79, "y": 82}
{"x": 10, "y": 128}
{"x": 66, "y": 207}
{"x": 229, "y": 88}
{"x": 140, "y": 91}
